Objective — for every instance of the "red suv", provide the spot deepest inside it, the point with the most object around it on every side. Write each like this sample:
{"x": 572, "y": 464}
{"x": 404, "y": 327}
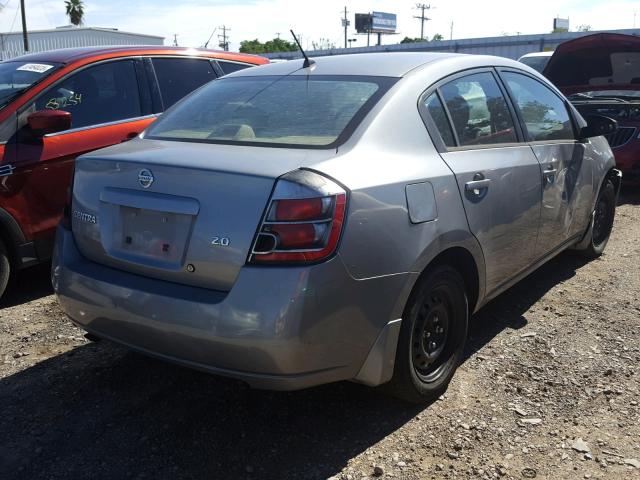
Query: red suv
{"x": 57, "y": 105}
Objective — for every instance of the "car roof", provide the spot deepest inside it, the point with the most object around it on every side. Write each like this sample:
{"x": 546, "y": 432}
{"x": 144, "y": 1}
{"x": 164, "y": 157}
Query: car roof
{"x": 69, "y": 55}
{"x": 537, "y": 54}
{"x": 382, "y": 64}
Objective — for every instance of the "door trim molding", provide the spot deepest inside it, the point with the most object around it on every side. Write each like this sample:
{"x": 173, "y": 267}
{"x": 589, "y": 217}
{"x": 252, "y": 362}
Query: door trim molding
{"x": 101, "y": 125}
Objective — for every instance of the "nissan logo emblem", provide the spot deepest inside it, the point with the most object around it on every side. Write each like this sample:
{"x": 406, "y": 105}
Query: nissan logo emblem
{"x": 145, "y": 178}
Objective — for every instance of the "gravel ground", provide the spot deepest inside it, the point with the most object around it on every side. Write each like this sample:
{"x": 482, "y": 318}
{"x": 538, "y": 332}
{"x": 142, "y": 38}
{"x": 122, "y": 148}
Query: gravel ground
{"x": 549, "y": 389}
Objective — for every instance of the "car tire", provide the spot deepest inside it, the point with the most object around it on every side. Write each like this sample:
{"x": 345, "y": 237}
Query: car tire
{"x": 601, "y": 222}
{"x": 432, "y": 337}
{"x": 5, "y": 268}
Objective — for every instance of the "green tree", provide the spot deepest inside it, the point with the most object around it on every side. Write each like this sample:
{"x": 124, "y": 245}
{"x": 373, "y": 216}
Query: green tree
{"x": 75, "y": 11}
{"x": 271, "y": 46}
{"x": 252, "y": 46}
{"x": 437, "y": 37}
{"x": 412, "y": 40}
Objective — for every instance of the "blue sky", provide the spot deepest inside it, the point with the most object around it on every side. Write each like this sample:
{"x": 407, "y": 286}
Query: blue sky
{"x": 194, "y": 20}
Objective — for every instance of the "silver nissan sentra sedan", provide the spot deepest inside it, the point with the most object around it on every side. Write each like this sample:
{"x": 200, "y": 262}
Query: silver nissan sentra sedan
{"x": 292, "y": 225}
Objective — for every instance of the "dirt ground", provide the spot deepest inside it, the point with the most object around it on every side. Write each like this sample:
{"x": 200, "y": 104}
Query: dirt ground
{"x": 549, "y": 389}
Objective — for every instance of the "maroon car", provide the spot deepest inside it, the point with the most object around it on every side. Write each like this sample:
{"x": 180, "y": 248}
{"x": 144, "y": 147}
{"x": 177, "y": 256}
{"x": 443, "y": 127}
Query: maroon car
{"x": 600, "y": 74}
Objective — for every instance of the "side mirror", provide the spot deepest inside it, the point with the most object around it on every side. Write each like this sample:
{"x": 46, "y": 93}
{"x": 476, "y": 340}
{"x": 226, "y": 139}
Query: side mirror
{"x": 598, "y": 125}
{"x": 43, "y": 122}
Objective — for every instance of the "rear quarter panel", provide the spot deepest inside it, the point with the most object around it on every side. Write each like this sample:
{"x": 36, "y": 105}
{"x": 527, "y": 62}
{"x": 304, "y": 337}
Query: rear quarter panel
{"x": 390, "y": 150}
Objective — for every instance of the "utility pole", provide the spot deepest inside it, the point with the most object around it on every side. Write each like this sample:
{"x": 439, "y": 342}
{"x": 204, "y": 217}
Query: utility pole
{"x": 224, "y": 38}
{"x": 422, "y": 7}
{"x": 175, "y": 39}
{"x": 451, "y": 31}
{"x": 345, "y": 24}
{"x": 25, "y": 38}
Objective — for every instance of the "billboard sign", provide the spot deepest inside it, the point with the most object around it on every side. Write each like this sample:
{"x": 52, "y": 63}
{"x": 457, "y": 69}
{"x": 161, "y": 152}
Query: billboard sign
{"x": 363, "y": 22}
{"x": 383, "y": 22}
{"x": 561, "y": 24}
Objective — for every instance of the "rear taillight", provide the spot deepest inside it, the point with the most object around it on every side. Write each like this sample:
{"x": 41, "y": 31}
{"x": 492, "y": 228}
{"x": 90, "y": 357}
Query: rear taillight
{"x": 303, "y": 222}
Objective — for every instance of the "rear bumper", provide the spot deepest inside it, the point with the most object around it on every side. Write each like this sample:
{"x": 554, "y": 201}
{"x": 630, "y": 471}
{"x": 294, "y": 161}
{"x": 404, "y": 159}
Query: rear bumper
{"x": 279, "y": 328}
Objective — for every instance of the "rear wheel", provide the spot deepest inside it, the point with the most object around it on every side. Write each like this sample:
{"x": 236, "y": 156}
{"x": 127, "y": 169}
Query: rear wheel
{"x": 432, "y": 337}
{"x": 602, "y": 223}
{"x": 5, "y": 268}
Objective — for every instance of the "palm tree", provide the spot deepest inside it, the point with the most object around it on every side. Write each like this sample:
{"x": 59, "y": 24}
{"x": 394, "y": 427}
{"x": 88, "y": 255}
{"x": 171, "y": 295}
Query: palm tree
{"x": 75, "y": 10}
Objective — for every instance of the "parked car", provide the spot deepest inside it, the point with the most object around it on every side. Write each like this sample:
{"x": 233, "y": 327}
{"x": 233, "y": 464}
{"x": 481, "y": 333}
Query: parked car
{"x": 292, "y": 226}
{"x": 536, "y": 60}
{"x": 57, "y": 105}
{"x": 600, "y": 74}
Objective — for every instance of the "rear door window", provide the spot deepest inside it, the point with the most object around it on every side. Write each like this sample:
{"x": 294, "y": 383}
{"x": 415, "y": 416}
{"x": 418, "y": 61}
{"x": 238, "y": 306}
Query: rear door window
{"x": 178, "y": 77}
{"x": 98, "y": 94}
{"x": 544, "y": 113}
{"x": 437, "y": 112}
{"x": 230, "y": 67}
{"x": 478, "y": 110}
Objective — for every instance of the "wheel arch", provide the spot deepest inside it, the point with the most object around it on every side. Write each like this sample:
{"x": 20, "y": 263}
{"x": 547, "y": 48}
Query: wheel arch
{"x": 462, "y": 251}
{"x": 615, "y": 176}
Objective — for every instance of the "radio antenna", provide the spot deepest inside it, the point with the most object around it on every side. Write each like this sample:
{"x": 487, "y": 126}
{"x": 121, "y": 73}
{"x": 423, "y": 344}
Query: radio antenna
{"x": 307, "y": 61}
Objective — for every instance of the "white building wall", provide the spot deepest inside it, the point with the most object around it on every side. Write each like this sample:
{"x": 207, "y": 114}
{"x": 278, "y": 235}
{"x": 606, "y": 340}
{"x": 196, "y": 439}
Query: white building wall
{"x": 11, "y": 44}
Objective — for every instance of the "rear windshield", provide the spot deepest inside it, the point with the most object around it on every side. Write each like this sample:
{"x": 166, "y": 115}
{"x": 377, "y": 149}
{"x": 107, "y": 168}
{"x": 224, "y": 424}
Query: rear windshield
{"x": 304, "y": 111}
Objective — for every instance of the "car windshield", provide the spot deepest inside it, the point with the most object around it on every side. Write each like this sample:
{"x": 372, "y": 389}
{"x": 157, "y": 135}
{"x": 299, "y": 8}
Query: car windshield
{"x": 297, "y": 110}
{"x": 16, "y": 77}
{"x": 537, "y": 63}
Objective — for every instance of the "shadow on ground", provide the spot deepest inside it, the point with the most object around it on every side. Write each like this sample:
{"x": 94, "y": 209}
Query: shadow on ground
{"x": 100, "y": 411}
{"x": 28, "y": 285}
{"x": 630, "y": 194}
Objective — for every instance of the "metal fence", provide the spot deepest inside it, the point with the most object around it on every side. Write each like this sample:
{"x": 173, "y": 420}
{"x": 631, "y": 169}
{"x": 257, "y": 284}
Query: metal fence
{"x": 507, "y": 46}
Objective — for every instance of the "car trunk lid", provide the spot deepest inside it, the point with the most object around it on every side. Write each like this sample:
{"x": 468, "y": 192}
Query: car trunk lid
{"x": 602, "y": 61}
{"x": 177, "y": 211}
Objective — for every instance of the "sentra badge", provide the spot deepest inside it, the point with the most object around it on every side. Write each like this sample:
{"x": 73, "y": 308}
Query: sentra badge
{"x": 84, "y": 216}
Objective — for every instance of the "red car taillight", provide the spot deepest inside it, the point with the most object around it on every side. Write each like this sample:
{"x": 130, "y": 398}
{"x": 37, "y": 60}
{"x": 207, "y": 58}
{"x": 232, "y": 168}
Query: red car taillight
{"x": 298, "y": 230}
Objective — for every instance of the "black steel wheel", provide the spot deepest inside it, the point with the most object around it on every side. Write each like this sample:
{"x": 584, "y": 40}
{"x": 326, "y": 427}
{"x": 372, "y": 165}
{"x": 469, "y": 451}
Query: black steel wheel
{"x": 602, "y": 223}
{"x": 432, "y": 336}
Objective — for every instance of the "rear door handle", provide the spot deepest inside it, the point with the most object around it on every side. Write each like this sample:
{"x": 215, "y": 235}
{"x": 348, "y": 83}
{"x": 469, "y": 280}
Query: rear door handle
{"x": 475, "y": 186}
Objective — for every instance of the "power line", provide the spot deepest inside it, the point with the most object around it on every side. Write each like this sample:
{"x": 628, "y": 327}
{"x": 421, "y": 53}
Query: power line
{"x": 15, "y": 16}
{"x": 422, "y": 7}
